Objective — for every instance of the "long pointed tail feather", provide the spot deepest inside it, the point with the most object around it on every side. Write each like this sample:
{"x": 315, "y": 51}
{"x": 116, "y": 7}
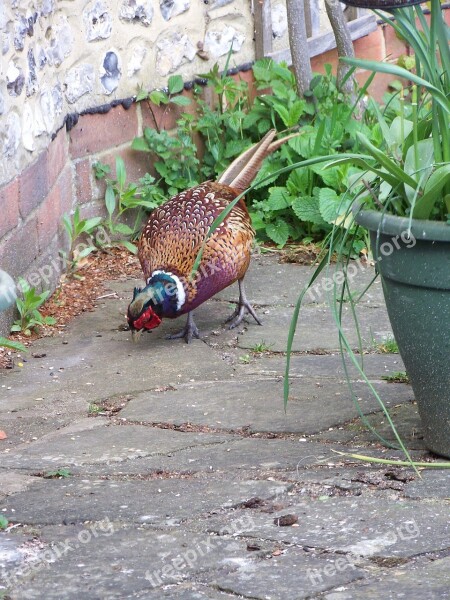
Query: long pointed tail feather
{"x": 245, "y": 167}
{"x": 242, "y": 162}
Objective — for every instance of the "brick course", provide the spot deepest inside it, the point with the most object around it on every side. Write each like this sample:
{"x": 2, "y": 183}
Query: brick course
{"x": 9, "y": 207}
{"x": 33, "y": 185}
{"x": 100, "y": 131}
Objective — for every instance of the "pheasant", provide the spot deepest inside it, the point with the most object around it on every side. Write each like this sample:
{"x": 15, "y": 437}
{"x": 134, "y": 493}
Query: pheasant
{"x": 173, "y": 236}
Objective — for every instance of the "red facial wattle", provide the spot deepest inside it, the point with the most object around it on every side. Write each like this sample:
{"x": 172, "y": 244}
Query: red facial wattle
{"x": 148, "y": 320}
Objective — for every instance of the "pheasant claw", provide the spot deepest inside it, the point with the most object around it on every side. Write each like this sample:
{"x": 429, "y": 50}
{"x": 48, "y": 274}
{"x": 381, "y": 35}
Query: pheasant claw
{"x": 243, "y": 305}
{"x": 189, "y": 331}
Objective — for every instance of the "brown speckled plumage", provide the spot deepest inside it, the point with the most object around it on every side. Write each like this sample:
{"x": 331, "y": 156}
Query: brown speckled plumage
{"x": 175, "y": 232}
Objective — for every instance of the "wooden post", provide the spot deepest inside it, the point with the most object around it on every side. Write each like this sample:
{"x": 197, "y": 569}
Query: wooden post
{"x": 263, "y": 28}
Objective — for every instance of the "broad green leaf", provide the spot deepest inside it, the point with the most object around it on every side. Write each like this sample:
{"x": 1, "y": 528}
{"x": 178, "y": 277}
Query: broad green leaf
{"x": 257, "y": 221}
{"x": 433, "y": 192}
{"x": 307, "y": 209}
{"x": 158, "y": 97}
{"x": 175, "y": 84}
{"x": 298, "y": 182}
{"x": 330, "y": 204}
{"x": 85, "y": 252}
{"x": 181, "y": 101}
{"x": 392, "y": 168}
{"x": 283, "y": 113}
{"x": 278, "y": 198}
{"x": 139, "y": 143}
{"x": 129, "y": 246}
{"x": 235, "y": 147}
{"x": 421, "y": 170}
{"x": 398, "y": 132}
{"x": 141, "y": 95}
{"x": 68, "y": 226}
{"x": 261, "y": 72}
{"x": 121, "y": 172}
{"x": 123, "y": 228}
{"x": 278, "y": 232}
{"x": 295, "y": 112}
{"x": 110, "y": 200}
{"x": 17, "y": 346}
{"x": 90, "y": 224}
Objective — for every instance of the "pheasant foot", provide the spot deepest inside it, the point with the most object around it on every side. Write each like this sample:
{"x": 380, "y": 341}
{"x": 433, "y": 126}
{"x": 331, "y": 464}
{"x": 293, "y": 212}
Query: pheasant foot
{"x": 243, "y": 306}
{"x": 189, "y": 331}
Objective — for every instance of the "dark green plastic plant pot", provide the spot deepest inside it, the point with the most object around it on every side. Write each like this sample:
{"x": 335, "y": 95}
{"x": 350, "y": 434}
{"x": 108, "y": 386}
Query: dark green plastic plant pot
{"x": 381, "y": 4}
{"x": 416, "y": 284}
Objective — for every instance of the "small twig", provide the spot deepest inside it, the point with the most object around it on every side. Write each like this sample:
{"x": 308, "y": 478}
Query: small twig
{"x": 107, "y": 296}
{"x": 372, "y": 193}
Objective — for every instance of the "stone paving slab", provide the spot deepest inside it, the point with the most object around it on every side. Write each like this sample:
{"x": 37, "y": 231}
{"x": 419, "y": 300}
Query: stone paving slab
{"x": 122, "y": 563}
{"x": 430, "y": 580}
{"x": 103, "y": 444}
{"x": 121, "y": 366}
{"x": 247, "y": 454}
{"x": 289, "y": 280}
{"x": 320, "y": 366}
{"x": 163, "y": 501}
{"x": 362, "y": 526}
{"x": 405, "y": 418}
{"x": 259, "y": 405}
{"x": 433, "y": 484}
{"x": 316, "y": 329}
{"x": 293, "y": 575}
{"x": 12, "y": 482}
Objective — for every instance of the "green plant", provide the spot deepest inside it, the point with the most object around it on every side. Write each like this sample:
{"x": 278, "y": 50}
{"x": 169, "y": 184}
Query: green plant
{"x": 3, "y": 522}
{"x": 94, "y": 409}
{"x": 175, "y": 85}
{"x": 121, "y": 198}
{"x": 260, "y": 348}
{"x": 76, "y": 227}
{"x": 30, "y": 317}
{"x": 411, "y": 173}
{"x": 245, "y": 359}
{"x": 397, "y": 377}
{"x": 58, "y": 474}
{"x": 388, "y": 346}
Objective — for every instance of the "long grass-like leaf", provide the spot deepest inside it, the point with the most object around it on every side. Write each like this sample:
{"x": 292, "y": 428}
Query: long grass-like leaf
{"x": 397, "y": 71}
{"x": 391, "y": 166}
{"x": 399, "y": 463}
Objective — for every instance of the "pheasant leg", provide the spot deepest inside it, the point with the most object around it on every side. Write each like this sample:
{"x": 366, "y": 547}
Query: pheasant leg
{"x": 242, "y": 306}
{"x": 188, "y": 332}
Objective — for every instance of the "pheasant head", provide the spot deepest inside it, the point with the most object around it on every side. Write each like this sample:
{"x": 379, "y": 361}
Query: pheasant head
{"x": 163, "y": 296}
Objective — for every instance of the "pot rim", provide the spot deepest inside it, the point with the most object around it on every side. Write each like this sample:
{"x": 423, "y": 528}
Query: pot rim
{"x": 421, "y": 229}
